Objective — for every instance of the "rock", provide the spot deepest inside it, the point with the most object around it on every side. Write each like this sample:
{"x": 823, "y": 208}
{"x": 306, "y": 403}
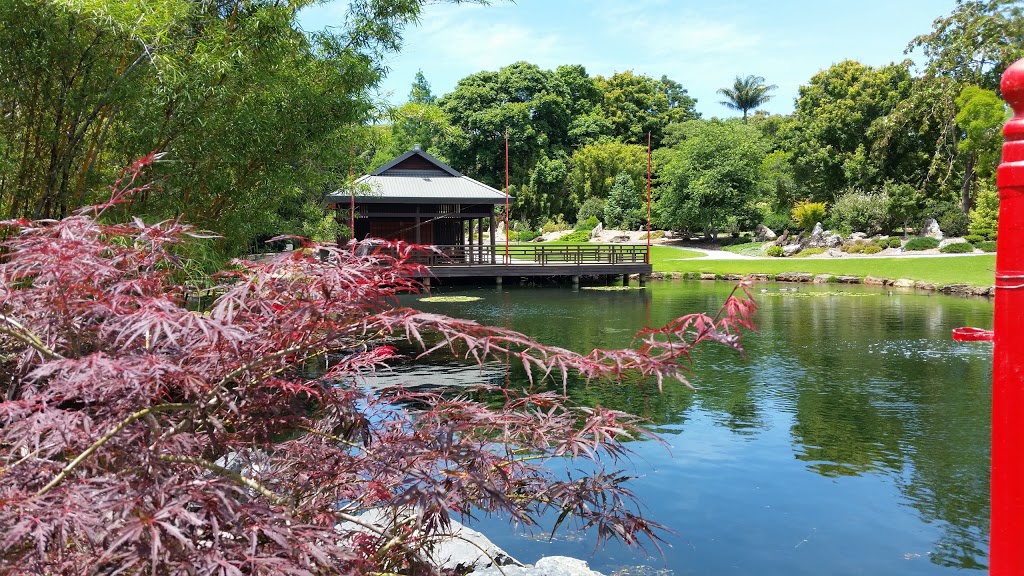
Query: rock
{"x": 547, "y": 566}
{"x": 759, "y": 277}
{"x": 794, "y": 277}
{"x": 822, "y": 278}
{"x": 858, "y": 236}
{"x": 781, "y": 240}
{"x": 874, "y": 281}
{"x": 949, "y": 241}
{"x": 596, "y": 232}
{"x": 903, "y": 283}
{"x": 836, "y": 253}
{"x": 619, "y": 239}
{"x": 924, "y": 286}
{"x": 981, "y": 290}
{"x": 791, "y": 249}
{"x": 959, "y": 289}
{"x": 732, "y": 277}
{"x": 848, "y": 279}
{"x": 931, "y": 229}
{"x": 831, "y": 240}
{"x": 707, "y": 276}
{"x": 818, "y": 230}
{"x": 459, "y": 549}
{"x": 763, "y": 233}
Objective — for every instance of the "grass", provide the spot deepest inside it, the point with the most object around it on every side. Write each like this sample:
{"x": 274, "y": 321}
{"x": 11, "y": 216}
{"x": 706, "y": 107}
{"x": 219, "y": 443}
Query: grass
{"x": 747, "y": 249}
{"x": 974, "y": 270}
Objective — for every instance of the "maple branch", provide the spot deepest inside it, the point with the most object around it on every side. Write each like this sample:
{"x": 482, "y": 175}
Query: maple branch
{"x": 19, "y": 332}
{"x": 230, "y": 474}
{"x": 106, "y": 438}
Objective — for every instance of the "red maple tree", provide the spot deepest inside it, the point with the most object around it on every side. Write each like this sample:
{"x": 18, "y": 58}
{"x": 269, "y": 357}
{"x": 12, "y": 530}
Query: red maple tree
{"x": 139, "y": 436}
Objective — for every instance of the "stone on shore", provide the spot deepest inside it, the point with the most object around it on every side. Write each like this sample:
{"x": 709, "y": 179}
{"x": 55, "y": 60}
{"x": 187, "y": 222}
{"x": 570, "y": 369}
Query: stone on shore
{"x": 794, "y": 277}
{"x": 547, "y": 566}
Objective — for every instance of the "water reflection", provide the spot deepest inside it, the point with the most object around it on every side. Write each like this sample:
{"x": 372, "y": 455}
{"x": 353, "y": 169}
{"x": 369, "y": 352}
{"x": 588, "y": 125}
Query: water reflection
{"x": 856, "y": 421}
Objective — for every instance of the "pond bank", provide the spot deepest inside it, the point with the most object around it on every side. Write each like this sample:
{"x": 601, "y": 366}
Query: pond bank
{"x": 808, "y": 278}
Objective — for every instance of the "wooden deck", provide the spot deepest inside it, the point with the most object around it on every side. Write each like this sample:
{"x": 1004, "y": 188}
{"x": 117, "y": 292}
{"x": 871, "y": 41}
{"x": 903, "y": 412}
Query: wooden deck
{"x": 469, "y": 261}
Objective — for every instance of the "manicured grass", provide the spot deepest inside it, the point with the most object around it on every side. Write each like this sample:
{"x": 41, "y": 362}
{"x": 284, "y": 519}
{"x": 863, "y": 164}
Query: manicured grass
{"x": 974, "y": 270}
{"x": 748, "y": 249}
{"x": 662, "y": 257}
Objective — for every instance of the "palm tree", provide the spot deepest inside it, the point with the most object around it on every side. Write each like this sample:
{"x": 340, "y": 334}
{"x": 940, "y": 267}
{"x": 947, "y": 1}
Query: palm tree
{"x": 746, "y": 94}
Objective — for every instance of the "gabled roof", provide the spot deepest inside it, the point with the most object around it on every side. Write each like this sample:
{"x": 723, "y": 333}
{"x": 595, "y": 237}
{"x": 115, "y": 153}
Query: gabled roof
{"x": 396, "y": 164}
{"x": 418, "y": 178}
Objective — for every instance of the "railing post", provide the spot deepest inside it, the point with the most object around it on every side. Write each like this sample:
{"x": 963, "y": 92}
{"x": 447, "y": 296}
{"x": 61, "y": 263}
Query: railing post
{"x": 1006, "y": 552}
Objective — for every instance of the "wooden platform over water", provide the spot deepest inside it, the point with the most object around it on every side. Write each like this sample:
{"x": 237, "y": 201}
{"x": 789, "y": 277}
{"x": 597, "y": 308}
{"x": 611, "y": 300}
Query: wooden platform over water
{"x": 469, "y": 261}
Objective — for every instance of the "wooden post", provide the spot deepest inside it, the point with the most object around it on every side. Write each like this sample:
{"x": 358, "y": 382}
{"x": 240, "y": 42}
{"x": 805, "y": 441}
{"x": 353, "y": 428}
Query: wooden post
{"x": 494, "y": 231}
{"x": 1006, "y": 549}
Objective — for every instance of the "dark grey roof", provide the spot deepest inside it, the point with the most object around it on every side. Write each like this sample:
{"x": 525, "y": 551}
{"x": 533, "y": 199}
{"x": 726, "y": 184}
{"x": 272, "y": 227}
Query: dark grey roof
{"x": 444, "y": 186}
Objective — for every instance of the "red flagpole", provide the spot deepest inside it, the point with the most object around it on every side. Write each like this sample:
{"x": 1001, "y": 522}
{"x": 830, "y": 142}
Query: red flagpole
{"x": 648, "y": 197}
{"x": 506, "y": 197}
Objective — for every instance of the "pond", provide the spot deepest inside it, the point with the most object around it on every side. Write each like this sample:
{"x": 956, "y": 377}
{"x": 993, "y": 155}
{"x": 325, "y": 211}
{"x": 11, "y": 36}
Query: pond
{"x": 854, "y": 439}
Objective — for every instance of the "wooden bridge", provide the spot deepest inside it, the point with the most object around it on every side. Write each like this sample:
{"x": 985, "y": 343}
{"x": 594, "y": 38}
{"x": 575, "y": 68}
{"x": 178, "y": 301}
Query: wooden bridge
{"x": 525, "y": 260}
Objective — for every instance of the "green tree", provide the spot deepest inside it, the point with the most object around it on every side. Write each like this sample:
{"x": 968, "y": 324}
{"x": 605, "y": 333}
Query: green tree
{"x": 746, "y": 94}
{"x": 636, "y": 105}
{"x": 714, "y": 173}
{"x": 594, "y": 168}
{"x": 623, "y": 210}
{"x": 420, "y": 92}
{"x": 835, "y": 148}
{"x": 980, "y": 118}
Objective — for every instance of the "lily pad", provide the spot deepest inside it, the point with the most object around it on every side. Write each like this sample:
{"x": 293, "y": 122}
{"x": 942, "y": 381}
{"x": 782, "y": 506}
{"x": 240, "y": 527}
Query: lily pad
{"x": 450, "y": 299}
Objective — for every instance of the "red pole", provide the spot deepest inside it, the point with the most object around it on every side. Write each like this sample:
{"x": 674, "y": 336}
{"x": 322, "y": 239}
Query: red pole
{"x": 507, "y": 232}
{"x": 351, "y": 193}
{"x": 1006, "y": 549}
{"x": 648, "y": 197}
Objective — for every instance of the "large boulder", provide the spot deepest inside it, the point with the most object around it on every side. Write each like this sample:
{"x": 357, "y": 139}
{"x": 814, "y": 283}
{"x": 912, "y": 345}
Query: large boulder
{"x": 791, "y": 249}
{"x": 596, "y": 232}
{"x": 949, "y": 241}
{"x": 931, "y": 229}
{"x": 763, "y": 233}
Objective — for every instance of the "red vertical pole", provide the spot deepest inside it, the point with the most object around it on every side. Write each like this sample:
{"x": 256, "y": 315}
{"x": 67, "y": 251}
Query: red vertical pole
{"x": 1006, "y": 552}
{"x": 351, "y": 193}
{"x": 648, "y": 197}
{"x": 507, "y": 231}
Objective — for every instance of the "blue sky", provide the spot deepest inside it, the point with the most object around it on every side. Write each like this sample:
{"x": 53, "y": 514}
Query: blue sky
{"x": 703, "y": 45}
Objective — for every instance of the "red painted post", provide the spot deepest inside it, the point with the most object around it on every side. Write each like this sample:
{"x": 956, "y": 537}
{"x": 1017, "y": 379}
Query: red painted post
{"x": 1006, "y": 552}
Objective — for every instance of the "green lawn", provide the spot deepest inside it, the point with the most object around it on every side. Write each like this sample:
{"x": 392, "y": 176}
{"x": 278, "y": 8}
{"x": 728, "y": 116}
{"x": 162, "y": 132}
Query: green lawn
{"x": 974, "y": 270}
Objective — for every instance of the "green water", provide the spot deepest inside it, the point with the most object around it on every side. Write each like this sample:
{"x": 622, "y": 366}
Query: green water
{"x": 853, "y": 439}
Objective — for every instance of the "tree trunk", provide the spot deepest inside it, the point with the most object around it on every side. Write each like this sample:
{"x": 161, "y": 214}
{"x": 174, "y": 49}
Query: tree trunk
{"x": 966, "y": 196}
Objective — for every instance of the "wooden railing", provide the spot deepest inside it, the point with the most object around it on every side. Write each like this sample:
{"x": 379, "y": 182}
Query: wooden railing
{"x": 471, "y": 255}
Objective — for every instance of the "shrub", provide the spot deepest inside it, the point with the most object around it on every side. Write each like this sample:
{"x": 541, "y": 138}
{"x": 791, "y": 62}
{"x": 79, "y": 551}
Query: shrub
{"x": 954, "y": 223}
{"x": 589, "y": 224}
{"x": 921, "y": 243}
{"x": 576, "y": 237}
{"x": 894, "y": 242}
{"x": 777, "y": 222}
{"x": 988, "y": 234}
{"x": 974, "y": 238}
{"x": 855, "y": 248}
{"x": 860, "y": 212}
{"x": 806, "y": 214}
{"x": 986, "y": 246}
{"x": 656, "y": 234}
{"x": 774, "y": 251}
{"x": 984, "y": 216}
{"x": 872, "y": 249}
{"x": 556, "y": 225}
{"x": 957, "y": 248}
{"x": 523, "y": 235}
{"x": 142, "y": 437}
{"x": 592, "y": 207}
{"x": 810, "y": 252}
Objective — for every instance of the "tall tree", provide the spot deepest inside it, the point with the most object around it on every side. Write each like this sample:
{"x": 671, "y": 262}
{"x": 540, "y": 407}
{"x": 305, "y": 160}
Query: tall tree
{"x": 636, "y": 105}
{"x": 420, "y": 92}
{"x": 746, "y": 94}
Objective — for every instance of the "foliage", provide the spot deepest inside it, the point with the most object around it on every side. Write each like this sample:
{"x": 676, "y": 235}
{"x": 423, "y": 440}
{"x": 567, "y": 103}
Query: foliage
{"x": 836, "y": 148}
{"x": 920, "y": 243}
{"x": 984, "y": 217}
{"x": 141, "y": 437}
{"x": 714, "y": 173}
{"x": 894, "y": 242}
{"x": 954, "y": 223}
{"x": 636, "y": 105}
{"x": 872, "y": 249}
{"x": 904, "y": 205}
{"x": 774, "y": 251}
{"x": 974, "y": 238}
{"x": 319, "y": 225}
{"x": 746, "y": 94}
{"x": 858, "y": 211}
{"x": 595, "y": 166}
{"x": 593, "y": 208}
{"x": 957, "y": 248}
{"x": 623, "y": 210}
{"x": 575, "y": 237}
{"x": 589, "y": 224}
{"x": 556, "y": 225}
{"x": 777, "y": 222}
{"x": 807, "y": 252}
{"x": 523, "y": 235}
{"x": 986, "y": 246}
{"x": 806, "y": 214}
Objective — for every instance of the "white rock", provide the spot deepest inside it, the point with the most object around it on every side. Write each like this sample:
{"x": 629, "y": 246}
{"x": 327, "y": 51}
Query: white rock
{"x": 763, "y": 233}
{"x": 949, "y": 241}
{"x": 547, "y": 566}
{"x": 931, "y": 229}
